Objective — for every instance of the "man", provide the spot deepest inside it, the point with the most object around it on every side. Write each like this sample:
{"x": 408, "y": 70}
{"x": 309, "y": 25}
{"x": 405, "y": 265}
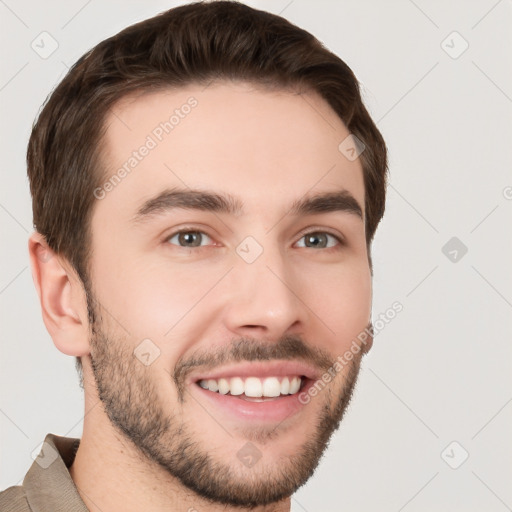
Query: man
{"x": 206, "y": 186}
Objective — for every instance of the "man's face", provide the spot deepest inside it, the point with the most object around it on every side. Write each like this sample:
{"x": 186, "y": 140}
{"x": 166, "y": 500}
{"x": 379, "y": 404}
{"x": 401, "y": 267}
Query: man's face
{"x": 269, "y": 291}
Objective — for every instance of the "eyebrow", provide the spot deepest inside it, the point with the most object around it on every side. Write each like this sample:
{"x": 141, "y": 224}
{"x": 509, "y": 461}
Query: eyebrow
{"x": 204, "y": 200}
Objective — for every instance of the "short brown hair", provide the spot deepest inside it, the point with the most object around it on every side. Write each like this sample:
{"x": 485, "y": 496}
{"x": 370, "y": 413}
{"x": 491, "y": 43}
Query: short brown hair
{"x": 192, "y": 44}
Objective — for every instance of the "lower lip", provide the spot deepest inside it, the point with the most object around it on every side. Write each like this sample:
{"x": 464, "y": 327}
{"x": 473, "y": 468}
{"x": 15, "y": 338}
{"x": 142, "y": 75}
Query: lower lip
{"x": 267, "y": 411}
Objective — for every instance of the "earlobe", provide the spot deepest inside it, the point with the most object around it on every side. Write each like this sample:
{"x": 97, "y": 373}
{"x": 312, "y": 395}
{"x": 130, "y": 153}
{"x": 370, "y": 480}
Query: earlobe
{"x": 368, "y": 343}
{"x": 62, "y": 298}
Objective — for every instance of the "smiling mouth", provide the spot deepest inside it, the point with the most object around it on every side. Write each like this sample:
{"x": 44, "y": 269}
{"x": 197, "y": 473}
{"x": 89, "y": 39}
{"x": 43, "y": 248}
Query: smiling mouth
{"x": 256, "y": 389}
{"x": 256, "y": 400}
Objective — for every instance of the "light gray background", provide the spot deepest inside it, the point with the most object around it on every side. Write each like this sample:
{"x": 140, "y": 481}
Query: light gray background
{"x": 441, "y": 370}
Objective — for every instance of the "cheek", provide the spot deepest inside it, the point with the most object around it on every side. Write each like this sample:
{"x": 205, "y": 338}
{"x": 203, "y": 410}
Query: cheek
{"x": 342, "y": 301}
{"x": 162, "y": 296}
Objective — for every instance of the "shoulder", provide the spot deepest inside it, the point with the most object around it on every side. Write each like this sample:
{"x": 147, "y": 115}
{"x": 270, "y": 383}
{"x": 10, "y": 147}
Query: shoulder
{"x": 47, "y": 485}
{"x": 14, "y": 499}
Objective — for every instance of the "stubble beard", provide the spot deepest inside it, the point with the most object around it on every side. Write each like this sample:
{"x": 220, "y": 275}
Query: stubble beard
{"x": 136, "y": 409}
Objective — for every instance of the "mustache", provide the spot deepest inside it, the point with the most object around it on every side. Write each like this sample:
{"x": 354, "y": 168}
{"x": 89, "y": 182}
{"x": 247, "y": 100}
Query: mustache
{"x": 246, "y": 349}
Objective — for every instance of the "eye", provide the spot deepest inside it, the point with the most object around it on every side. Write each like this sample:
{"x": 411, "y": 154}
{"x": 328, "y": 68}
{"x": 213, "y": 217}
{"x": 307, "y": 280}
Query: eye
{"x": 188, "y": 238}
{"x": 320, "y": 239}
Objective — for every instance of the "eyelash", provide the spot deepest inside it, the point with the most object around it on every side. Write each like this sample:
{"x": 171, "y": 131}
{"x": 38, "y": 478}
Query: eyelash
{"x": 338, "y": 238}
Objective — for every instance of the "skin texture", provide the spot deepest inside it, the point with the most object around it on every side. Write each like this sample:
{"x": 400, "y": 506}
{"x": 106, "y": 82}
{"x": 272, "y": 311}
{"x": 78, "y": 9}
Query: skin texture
{"x": 150, "y": 441}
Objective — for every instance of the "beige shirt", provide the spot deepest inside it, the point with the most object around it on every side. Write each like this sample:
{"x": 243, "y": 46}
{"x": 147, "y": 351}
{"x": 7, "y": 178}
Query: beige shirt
{"x": 47, "y": 486}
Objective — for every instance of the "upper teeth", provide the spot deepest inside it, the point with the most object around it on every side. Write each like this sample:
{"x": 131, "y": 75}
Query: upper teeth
{"x": 253, "y": 386}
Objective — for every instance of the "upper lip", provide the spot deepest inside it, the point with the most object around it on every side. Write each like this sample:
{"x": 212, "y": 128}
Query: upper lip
{"x": 260, "y": 369}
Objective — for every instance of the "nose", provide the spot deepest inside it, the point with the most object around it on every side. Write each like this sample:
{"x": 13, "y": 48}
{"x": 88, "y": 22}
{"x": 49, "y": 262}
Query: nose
{"x": 265, "y": 297}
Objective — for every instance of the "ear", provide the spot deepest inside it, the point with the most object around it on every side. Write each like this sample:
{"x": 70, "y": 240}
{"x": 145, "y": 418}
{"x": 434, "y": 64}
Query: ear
{"x": 368, "y": 343}
{"x": 62, "y": 298}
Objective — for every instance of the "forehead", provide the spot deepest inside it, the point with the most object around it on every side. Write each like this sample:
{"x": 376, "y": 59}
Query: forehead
{"x": 268, "y": 148}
